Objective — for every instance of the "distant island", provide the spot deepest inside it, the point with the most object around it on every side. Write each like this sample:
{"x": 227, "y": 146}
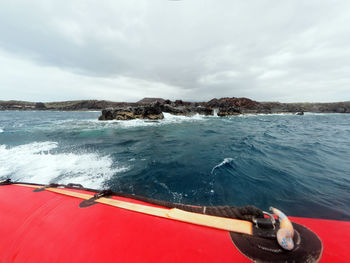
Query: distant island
{"x": 153, "y": 108}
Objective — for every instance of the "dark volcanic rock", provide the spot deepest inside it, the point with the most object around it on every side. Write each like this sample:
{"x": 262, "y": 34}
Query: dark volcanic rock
{"x": 242, "y": 103}
{"x": 107, "y": 114}
{"x": 124, "y": 114}
{"x": 186, "y": 110}
{"x": 203, "y": 110}
{"x": 179, "y": 103}
{"x": 176, "y": 110}
{"x": 229, "y": 111}
{"x": 40, "y": 106}
{"x": 234, "y": 106}
{"x": 151, "y": 112}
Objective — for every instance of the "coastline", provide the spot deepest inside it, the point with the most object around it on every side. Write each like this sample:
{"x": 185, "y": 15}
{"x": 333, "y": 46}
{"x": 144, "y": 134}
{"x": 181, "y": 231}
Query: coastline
{"x": 156, "y": 106}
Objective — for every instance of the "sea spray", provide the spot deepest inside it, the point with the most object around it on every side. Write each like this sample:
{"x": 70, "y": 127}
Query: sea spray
{"x": 36, "y": 162}
{"x": 224, "y": 162}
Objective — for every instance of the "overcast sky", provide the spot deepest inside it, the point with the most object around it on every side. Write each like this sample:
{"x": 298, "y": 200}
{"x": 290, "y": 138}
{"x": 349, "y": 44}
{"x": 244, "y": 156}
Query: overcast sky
{"x": 290, "y": 50}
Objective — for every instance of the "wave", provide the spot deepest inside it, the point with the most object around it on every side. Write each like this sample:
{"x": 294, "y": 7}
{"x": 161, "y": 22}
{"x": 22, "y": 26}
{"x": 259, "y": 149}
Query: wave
{"x": 37, "y": 163}
{"x": 168, "y": 119}
{"x": 247, "y": 115}
{"x": 1, "y": 130}
{"x": 93, "y": 124}
{"x": 224, "y": 162}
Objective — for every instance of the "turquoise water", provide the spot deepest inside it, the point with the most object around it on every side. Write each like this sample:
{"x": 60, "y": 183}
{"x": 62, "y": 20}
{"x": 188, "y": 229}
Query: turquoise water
{"x": 300, "y": 164}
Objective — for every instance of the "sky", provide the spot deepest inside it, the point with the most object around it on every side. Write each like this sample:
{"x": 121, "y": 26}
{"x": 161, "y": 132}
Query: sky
{"x": 195, "y": 50}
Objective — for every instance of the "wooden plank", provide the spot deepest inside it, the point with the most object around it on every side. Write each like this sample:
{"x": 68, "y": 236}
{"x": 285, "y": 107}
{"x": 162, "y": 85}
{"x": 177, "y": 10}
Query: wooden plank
{"x": 234, "y": 225}
{"x": 229, "y": 224}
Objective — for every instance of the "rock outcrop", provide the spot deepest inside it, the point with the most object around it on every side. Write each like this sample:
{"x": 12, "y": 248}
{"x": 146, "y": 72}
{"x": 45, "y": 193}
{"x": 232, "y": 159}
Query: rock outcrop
{"x": 229, "y": 111}
{"x": 233, "y": 106}
{"x": 243, "y": 103}
{"x": 181, "y": 110}
{"x": 201, "y": 110}
{"x": 151, "y": 112}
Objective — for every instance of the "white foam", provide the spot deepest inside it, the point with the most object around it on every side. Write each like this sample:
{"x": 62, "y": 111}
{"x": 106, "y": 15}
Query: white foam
{"x": 168, "y": 119}
{"x": 225, "y": 161}
{"x": 94, "y": 124}
{"x": 36, "y": 163}
{"x": 247, "y": 115}
{"x": 323, "y": 113}
{"x": 1, "y": 130}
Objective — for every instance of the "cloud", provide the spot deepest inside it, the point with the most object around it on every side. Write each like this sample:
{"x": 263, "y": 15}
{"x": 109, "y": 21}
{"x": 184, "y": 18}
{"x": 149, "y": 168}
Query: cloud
{"x": 195, "y": 50}
{"x": 21, "y": 79}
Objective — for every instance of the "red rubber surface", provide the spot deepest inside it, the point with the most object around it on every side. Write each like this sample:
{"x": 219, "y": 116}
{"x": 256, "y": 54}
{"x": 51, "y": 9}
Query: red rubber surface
{"x": 335, "y": 236}
{"x": 49, "y": 227}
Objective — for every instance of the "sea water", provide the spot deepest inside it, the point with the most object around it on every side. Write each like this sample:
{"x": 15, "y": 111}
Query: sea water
{"x": 300, "y": 164}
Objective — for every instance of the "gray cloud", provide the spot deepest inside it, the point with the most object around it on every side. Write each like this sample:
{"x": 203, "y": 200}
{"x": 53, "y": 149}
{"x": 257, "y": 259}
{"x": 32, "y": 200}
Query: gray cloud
{"x": 289, "y": 50}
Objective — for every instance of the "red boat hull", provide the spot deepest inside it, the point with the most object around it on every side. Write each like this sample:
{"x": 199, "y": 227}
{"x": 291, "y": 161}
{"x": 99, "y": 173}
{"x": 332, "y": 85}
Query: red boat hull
{"x": 49, "y": 227}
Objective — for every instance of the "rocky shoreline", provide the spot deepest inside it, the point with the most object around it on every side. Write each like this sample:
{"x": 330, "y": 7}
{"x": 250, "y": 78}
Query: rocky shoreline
{"x": 153, "y": 108}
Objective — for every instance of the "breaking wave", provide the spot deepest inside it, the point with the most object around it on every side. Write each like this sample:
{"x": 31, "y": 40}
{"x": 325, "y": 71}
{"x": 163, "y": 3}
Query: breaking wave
{"x": 168, "y": 119}
{"x": 226, "y": 161}
{"x": 38, "y": 163}
{"x": 94, "y": 124}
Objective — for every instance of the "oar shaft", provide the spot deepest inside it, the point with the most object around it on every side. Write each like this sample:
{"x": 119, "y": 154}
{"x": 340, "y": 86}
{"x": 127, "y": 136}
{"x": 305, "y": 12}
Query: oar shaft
{"x": 234, "y": 225}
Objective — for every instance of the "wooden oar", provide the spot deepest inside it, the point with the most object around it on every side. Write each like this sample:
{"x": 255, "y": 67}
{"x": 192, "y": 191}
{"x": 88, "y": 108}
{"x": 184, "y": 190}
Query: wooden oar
{"x": 234, "y": 225}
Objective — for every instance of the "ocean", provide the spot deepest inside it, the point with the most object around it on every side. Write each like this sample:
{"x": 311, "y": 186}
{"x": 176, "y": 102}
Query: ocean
{"x": 300, "y": 164}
